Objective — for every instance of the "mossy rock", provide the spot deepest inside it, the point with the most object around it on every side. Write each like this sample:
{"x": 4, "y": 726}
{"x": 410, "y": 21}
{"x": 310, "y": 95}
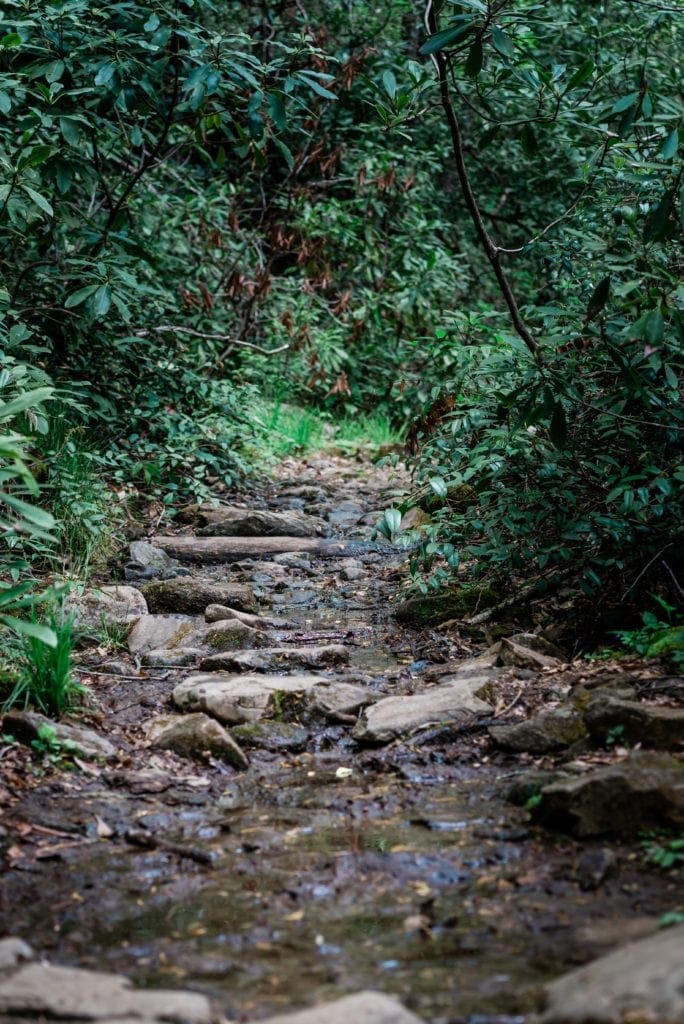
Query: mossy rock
{"x": 431, "y": 609}
{"x": 459, "y": 499}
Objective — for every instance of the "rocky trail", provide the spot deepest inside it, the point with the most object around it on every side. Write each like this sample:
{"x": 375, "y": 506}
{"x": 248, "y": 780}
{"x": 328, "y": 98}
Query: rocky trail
{"x": 281, "y": 804}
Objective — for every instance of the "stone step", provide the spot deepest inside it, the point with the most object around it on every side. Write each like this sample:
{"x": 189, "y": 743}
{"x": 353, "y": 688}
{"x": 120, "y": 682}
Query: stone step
{"x": 204, "y": 550}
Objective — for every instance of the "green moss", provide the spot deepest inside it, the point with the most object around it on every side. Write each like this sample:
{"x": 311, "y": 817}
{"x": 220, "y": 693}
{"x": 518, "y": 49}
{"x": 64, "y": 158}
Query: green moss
{"x": 431, "y": 609}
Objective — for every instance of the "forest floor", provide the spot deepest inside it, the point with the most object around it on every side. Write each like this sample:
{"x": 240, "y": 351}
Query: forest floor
{"x": 321, "y": 847}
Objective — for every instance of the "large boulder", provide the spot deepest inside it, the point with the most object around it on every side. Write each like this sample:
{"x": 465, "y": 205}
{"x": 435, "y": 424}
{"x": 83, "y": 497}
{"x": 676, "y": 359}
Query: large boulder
{"x": 550, "y": 730}
{"x": 230, "y": 521}
{"x": 652, "y": 725}
{"x": 361, "y": 1008}
{"x": 70, "y": 994}
{"x": 646, "y": 790}
{"x": 191, "y": 596}
{"x": 640, "y": 982}
{"x": 28, "y": 726}
{"x": 455, "y": 703}
{"x": 196, "y": 736}
{"x": 107, "y": 605}
{"x": 235, "y": 699}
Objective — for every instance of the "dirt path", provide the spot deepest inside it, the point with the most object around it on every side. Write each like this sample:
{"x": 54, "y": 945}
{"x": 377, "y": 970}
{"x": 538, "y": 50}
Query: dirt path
{"x": 343, "y": 857}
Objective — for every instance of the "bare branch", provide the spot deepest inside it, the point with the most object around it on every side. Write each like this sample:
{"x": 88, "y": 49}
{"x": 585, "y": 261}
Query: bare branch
{"x": 176, "y": 329}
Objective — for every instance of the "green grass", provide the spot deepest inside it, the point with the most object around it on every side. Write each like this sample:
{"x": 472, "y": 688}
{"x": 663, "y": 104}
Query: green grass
{"x": 42, "y": 676}
{"x": 291, "y": 430}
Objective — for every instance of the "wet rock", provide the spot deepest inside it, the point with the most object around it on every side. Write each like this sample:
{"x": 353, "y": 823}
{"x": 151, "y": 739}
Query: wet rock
{"x": 550, "y": 730}
{"x": 339, "y": 700}
{"x": 361, "y": 1008}
{"x": 242, "y": 698}
{"x": 527, "y": 786}
{"x": 232, "y": 635}
{"x": 191, "y": 596}
{"x": 459, "y": 603}
{"x": 652, "y": 725}
{"x": 115, "y": 668}
{"x": 230, "y": 521}
{"x": 13, "y": 952}
{"x": 196, "y": 736}
{"x": 271, "y": 659}
{"x": 529, "y": 651}
{"x": 415, "y": 518}
{"x": 639, "y": 982}
{"x": 461, "y": 668}
{"x": 646, "y": 790}
{"x": 220, "y": 612}
{"x": 172, "y": 658}
{"x": 397, "y": 716}
{"x": 26, "y": 726}
{"x": 276, "y": 736}
{"x": 159, "y": 632}
{"x": 208, "y": 550}
{"x": 69, "y": 993}
{"x": 113, "y": 605}
{"x": 595, "y": 867}
{"x": 149, "y": 563}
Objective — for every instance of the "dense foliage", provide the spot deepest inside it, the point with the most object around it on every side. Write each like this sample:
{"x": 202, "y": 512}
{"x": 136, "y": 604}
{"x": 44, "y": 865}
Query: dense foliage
{"x": 205, "y": 207}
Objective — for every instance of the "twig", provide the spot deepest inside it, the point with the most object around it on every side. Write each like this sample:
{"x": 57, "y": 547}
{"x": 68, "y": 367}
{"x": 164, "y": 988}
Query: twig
{"x": 509, "y": 707}
{"x": 176, "y": 329}
{"x": 645, "y": 570}
{"x": 136, "y": 837}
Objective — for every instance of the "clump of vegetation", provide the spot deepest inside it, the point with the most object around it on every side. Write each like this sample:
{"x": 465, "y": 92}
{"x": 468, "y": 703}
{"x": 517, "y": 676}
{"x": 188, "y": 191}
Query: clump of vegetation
{"x": 41, "y": 674}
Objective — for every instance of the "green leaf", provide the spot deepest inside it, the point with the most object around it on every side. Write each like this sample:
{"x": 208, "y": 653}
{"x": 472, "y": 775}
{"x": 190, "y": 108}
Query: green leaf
{"x": 25, "y": 401}
{"x": 502, "y": 42}
{"x": 390, "y": 84}
{"x": 528, "y": 140}
{"x": 475, "y": 60}
{"x": 70, "y": 130}
{"x": 276, "y": 109}
{"x": 439, "y": 486}
{"x": 105, "y": 74}
{"x": 625, "y": 103}
{"x": 316, "y": 87}
{"x": 37, "y": 155}
{"x": 558, "y": 427}
{"x": 13, "y": 39}
{"x": 5, "y": 103}
{"x": 79, "y": 296}
{"x": 670, "y": 146}
{"x": 46, "y": 635}
{"x": 599, "y": 298}
{"x": 37, "y": 516}
{"x": 102, "y": 300}
{"x": 39, "y": 200}
{"x": 459, "y": 30}
{"x": 582, "y": 75}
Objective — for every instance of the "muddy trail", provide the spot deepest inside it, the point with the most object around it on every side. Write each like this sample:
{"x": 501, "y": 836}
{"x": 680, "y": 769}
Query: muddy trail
{"x": 267, "y": 830}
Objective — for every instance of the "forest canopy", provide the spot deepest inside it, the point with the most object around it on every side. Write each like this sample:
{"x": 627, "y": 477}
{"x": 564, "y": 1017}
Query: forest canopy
{"x": 464, "y": 216}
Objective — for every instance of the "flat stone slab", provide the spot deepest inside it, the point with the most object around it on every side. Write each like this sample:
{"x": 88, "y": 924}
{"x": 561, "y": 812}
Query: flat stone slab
{"x": 270, "y": 659}
{"x": 191, "y": 596}
{"x": 232, "y": 521}
{"x": 645, "y": 790}
{"x": 550, "y": 730}
{"x": 160, "y": 633}
{"x": 220, "y": 613}
{"x": 206, "y": 550}
{"x": 67, "y": 992}
{"x": 14, "y": 951}
{"x": 26, "y": 726}
{"x": 235, "y": 699}
{"x": 652, "y": 725}
{"x": 397, "y": 716}
{"x": 642, "y": 981}
{"x": 362, "y": 1008}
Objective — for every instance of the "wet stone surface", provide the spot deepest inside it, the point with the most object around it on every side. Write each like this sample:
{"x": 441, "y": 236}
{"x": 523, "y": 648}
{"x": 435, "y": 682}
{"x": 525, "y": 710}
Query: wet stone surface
{"x": 327, "y": 867}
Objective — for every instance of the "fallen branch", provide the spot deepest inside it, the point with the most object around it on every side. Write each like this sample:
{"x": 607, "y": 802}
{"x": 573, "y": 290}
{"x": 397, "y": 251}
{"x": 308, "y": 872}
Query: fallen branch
{"x": 136, "y": 837}
{"x": 176, "y": 329}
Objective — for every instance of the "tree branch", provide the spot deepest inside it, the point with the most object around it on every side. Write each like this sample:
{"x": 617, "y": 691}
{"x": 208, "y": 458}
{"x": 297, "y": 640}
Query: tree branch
{"x": 491, "y": 250}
